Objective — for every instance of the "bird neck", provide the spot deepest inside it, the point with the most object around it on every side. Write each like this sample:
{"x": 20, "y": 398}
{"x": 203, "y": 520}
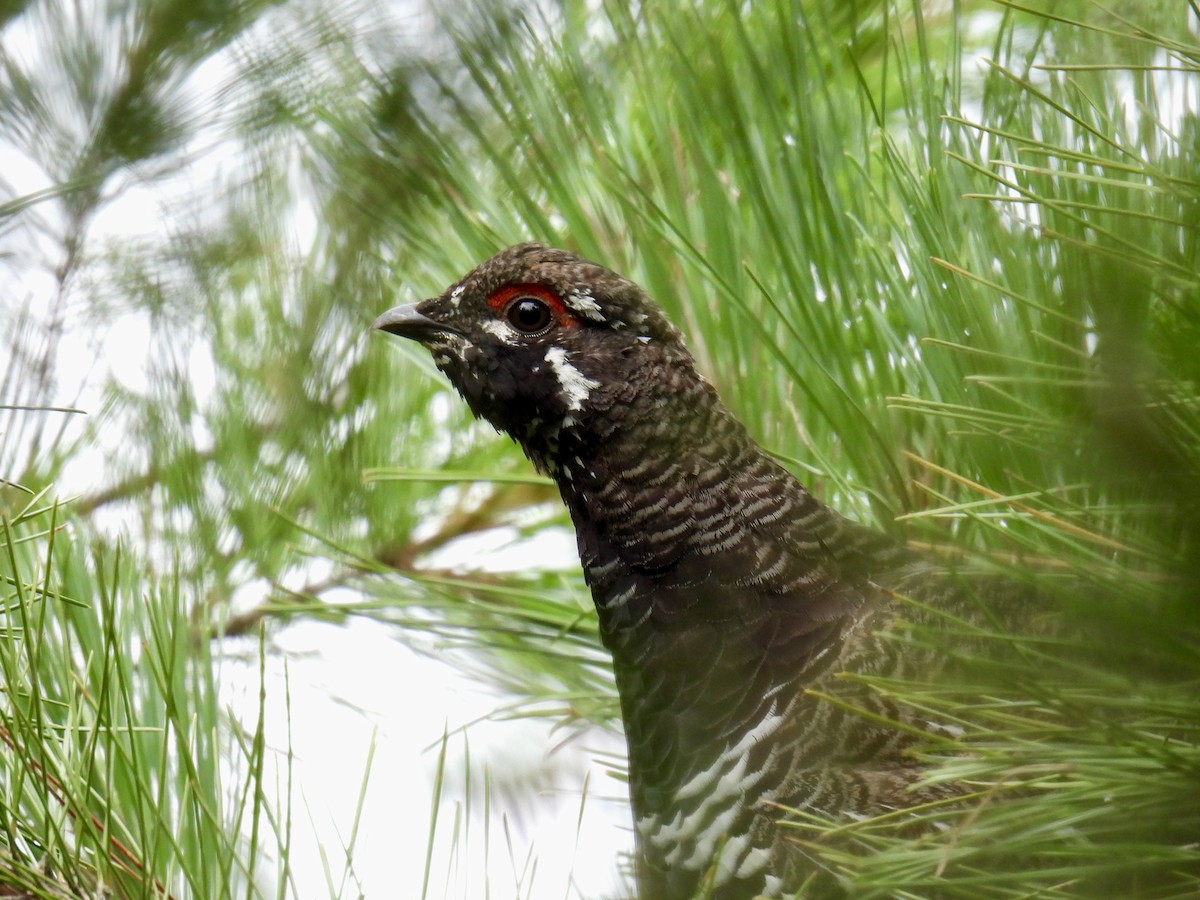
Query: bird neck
{"x": 643, "y": 429}
{"x": 651, "y": 474}
{"x": 674, "y": 505}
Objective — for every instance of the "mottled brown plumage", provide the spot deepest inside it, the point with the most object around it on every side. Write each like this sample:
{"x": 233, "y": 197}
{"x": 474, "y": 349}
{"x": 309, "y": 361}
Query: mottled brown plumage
{"x": 724, "y": 589}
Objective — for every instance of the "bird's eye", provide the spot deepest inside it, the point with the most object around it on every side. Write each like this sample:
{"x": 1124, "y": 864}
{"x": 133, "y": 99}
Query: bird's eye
{"x": 529, "y": 315}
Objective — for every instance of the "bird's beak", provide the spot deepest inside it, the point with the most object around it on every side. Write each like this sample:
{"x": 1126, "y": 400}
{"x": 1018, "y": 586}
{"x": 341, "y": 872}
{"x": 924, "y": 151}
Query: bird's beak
{"x": 407, "y": 322}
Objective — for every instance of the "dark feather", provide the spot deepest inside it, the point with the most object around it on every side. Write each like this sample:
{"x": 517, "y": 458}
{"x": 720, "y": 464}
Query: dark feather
{"x": 724, "y": 589}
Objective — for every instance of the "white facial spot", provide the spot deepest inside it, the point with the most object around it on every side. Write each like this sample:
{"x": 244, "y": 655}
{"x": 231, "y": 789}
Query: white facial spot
{"x": 585, "y": 304}
{"x": 500, "y": 331}
{"x": 456, "y": 296}
{"x": 577, "y": 386}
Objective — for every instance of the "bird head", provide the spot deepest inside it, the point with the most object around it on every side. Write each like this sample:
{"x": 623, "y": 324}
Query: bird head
{"x": 538, "y": 341}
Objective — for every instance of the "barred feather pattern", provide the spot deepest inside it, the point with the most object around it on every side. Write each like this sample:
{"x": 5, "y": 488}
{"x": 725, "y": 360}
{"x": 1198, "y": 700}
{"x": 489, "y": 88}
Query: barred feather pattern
{"x": 724, "y": 591}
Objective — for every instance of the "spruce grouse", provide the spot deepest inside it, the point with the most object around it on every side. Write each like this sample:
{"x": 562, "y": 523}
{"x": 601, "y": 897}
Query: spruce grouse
{"x": 724, "y": 589}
